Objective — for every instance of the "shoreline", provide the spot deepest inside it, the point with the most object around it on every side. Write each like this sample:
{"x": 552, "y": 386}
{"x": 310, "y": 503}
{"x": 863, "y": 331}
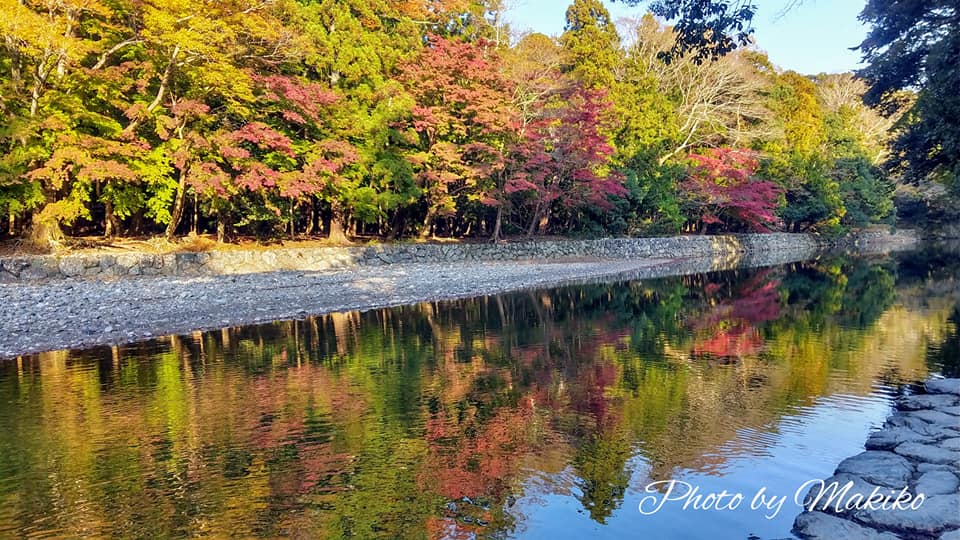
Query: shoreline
{"x": 80, "y": 313}
{"x": 917, "y": 450}
{"x": 111, "y": 266}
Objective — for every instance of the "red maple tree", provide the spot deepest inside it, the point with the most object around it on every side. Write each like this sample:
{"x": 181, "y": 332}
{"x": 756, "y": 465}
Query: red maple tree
{"x": 462, "y": 119}
{"x": 564, "y": 155}
{"x": 722, "y": 189}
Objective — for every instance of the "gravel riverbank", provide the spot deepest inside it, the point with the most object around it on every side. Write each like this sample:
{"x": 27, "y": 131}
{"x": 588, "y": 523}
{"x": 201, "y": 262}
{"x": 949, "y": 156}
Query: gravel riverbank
{"x": 918, "y": 450}
{"x": 79, "y": 313}
{"x": 72, "y": 312}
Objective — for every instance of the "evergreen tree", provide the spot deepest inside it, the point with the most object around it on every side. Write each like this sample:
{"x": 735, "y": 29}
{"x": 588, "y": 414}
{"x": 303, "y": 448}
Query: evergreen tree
{"x": 592, "y": 44}
{"x": 914, "y": 45}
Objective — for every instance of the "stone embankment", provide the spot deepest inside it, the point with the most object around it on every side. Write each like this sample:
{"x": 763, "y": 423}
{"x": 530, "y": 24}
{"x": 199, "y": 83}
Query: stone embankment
{"x": 918, "y": 448}
{"x": 727, "y": 249}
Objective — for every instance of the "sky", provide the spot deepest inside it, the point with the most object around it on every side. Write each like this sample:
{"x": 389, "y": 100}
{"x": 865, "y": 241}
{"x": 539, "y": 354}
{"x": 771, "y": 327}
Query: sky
{"x": 814, "y": 37}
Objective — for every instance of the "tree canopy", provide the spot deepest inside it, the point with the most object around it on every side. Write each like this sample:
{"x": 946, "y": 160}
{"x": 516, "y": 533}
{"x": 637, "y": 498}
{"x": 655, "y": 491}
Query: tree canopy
{"x": 369, "y": 118}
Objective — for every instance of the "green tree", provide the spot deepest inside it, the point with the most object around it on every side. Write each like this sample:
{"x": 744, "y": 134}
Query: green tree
{"x": 914, "y": 45}
{"x": 867, "y": 193}
{"x": 796, "y": 156}
{"x": 708, "y": 29}
{"x": 591, "y": 42}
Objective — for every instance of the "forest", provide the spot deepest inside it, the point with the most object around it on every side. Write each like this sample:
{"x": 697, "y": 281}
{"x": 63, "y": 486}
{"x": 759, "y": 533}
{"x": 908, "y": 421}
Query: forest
{"x": 432, "y": 118}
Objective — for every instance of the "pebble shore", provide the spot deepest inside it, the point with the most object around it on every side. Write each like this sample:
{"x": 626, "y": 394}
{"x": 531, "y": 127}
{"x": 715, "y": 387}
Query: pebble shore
{"x": 79, "y": 313}
{"x": 918, "y": 448}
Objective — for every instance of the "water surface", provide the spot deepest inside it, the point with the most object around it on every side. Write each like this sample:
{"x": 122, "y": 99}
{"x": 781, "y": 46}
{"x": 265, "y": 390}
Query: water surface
{"x": 540, "y": 414}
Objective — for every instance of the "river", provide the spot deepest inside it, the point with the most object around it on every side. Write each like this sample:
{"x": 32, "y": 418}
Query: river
{"x": 538, "y": 414}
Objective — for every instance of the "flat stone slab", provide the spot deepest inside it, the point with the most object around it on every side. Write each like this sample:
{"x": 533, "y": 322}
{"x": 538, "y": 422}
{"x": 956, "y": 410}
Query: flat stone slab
{"x": 890, "y": 438}
{"x": 877, "y": 467}
{"x": 927, "y": 401}
{"x": 951, "y": 535}
{"x": 937, "y": 483}
{"x": 908, "y": 420}
{"x": 924, "y": 427}
{"x": 927, "y": 467}
{"x": 834, "y": 494}
{"x": 943, "y": 386}
{"x": 937, "y": 514}
{"x": 927, "y": 453}
{"x": 936, "y": 417}
{"x": 820, "y": 526}
{"x": 949, "y": 444}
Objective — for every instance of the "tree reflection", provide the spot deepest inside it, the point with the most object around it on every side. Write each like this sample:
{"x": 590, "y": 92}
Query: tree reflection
{"x": 428, "y": 420}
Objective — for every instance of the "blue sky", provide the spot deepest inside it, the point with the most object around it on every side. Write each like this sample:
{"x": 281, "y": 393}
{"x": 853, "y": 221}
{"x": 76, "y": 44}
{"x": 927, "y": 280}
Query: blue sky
{"x": 811, "y": 38}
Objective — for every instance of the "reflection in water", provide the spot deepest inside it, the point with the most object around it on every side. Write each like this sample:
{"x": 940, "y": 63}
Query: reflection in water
{"x": 535, "y": 414}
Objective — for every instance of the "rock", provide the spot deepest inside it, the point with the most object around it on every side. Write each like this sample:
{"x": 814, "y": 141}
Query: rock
{"x": 952, "y": 535}
{"x": 820, "y": 526}
{"x": 890, "y": 438}
{"x": 927, "y": 401}
{"x": 908, "y": 420}
{"x": 927, "y": 467}
{"x": 941, "y": 433}
{"x": 71, "y": 266}
{"x": 881, "y": 468}
{"x": 936, "y": 417}
{"x": 937, "y": 483}
{"x": 833, "y": 501}
{"x": 943, "y": 386}
{"x": 923, "y": 427}
{"x": 950, "y": 444}
{"x": 927, "y": 453}
{"x": 937, "y": 513}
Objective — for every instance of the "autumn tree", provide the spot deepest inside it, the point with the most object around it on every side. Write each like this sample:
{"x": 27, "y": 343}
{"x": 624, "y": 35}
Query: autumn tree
{"x": 566, "y": 160}
{"x": 61, "y": 143}
{"x": 712, "y": 104}
{"x": 534, "y": 67}
{"x": 796, "y": 156}
{"x": 853, "y": 128}
{"x": 462, "y": 122}
{"x": 722, "y": 190}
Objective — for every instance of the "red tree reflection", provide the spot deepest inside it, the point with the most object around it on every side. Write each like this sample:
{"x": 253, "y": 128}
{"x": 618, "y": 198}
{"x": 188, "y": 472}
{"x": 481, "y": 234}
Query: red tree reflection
{"x": 728, "y": 329}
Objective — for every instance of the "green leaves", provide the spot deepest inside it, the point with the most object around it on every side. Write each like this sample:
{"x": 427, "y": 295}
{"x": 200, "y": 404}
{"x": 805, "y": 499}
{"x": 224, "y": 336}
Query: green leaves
{"x": 410, "y": 115}
{"x": 911, "y": 54}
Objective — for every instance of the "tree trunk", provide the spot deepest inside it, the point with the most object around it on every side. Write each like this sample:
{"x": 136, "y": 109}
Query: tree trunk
{"x": 535, "y": 221}
{"x": 427, "y": 224}
{"x": 110, "y": 224}
{"x": 311, "y": 216}
{"x": 196, "y": 213}
{"x": 397, "y": 224}
{"x": 293, "y": 221}
{"x": 177, "y": 212}
{"x": 136, "y": 222}
{"x": 337, "y": 233}
{"x": 495, "y": 237}
{"x": 45, "y": 233}
{"x": 222, "y": 226}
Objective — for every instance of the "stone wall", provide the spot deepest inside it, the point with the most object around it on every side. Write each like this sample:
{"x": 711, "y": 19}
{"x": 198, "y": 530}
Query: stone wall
{"x": 726, "y": 251}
